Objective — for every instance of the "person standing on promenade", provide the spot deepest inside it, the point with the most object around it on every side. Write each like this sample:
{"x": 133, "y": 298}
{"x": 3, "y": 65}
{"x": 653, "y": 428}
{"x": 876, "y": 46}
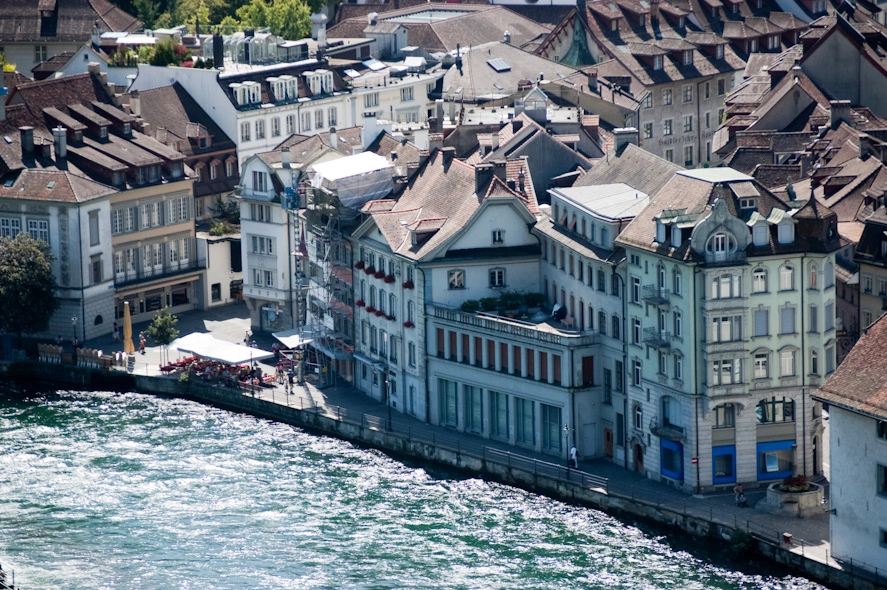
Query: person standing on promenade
{"x": 574, "y": 459}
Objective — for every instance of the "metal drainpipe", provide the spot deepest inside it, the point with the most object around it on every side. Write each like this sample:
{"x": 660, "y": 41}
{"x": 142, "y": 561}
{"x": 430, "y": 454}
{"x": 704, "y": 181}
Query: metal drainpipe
{"x": 427, "y": 383}
{"x": 693, "y": 364}
{"x": 803, "y": 373}
{"x": 622, "y": 336}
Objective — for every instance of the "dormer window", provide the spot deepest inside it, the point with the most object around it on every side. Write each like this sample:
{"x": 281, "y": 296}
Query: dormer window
{"x": 661, "y": 232}
{"x": 103, "y": 132}
{"x": 498, "y": 237}
{"x": 614, "y": 25}
{"x": 688, "y": 57}
{"x": 642, "y": 20}
{"x": 676, "y": 236}
{"x": 681, "y": 22}
{"x": 721, "y": 244}
{"x": 747, "y": 203}
{"x": 657, "y": 62}
{"x": 760, "y": 235}
{"x": 786, "y": 232}
{"x": 719, "y": 52}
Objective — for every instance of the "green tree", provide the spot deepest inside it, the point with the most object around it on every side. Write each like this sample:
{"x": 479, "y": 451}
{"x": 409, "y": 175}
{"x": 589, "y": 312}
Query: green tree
{"x": 164, "y": 53}
{"x": 291, "y": 19}
{"x": 162, "y": 331}
{"x": 27, "y": 285}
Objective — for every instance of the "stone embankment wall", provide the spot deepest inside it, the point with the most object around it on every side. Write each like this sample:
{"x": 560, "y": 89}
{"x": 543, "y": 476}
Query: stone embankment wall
{"x": 310, "y": 419}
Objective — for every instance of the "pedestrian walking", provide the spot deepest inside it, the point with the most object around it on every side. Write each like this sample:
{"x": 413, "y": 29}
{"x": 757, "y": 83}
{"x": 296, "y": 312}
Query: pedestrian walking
{"x": 574, "y": 458}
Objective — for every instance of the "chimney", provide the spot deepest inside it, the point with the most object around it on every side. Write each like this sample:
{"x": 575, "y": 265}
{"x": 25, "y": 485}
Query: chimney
{"x": 516, "y": 125}
{"x": 494, "y": 140}
{"x": 865, "y": 146}
{"x": 423, "y": 157}
{"x": 135, "y": 103}
{"x": 27, "y": 137}
{"x": 334, "y": 139}
{"x": 624, "y": 136}
{"x": 499, "y": 169}
{"x": 218, "y": 50}
{"x": 448, "y": 154}
{"x": 512, "y": 184}
{"x": 96, "y": 35}
{"x": 483, "y": 174}
{"x": 521, "y": 178}
{"x": 286, "y": 158}
{"x": 60, "y": 135}
{"x": 506, "y": 37}
{"x": 393, "y": 155}
{"x": 94, "y": 68}
{"x": 3, "y": 92}
{"x": 592, "y": 79}
{"x": 371, "y": 18}
{"x": 840, "y": 111}
{"x": 435, "y": 141}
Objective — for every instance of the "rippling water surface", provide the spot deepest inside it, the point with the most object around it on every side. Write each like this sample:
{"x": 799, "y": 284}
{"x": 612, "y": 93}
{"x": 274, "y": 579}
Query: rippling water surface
{"x": 111, "y": 491}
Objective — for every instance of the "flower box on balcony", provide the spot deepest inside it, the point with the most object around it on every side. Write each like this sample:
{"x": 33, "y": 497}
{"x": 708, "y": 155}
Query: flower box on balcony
{"x": 370, "y": 309}
{"x": 380, "y": 274}
{"x": 408, "y": 324}
{"x": 409, "y": 285}
{"x": 379, "y": 313}
{"x": 360, "y": 303}
{"x": 369, "y": 270}
{"x": 360, "y": 264}
{"x": 389, "y": 278}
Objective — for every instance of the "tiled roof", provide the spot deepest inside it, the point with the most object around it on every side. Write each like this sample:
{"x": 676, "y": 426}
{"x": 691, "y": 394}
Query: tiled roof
{"x": 859, "y": 384}
{"x": 54, "y": 185}
{"x": 635, "y": 167}
{"x": 20, "y": 20}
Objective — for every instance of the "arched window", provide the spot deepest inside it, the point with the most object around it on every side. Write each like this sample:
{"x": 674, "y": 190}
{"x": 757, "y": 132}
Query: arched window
{"x": 814, "y": 276}
{"x": 721, "y": 244}
{"x": 829, "y": 275}
{"x": 372, "y": 296}
{"x": 411, "y": 308}
{"x": 383, "y": 300}
{"x": 392, "y": 305}
{"x": 759, "y": 280}
{"x": 786, "y": 278}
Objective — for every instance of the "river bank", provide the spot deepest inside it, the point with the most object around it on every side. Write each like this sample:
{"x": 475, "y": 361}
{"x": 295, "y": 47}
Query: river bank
{"x": 443, "y": 447}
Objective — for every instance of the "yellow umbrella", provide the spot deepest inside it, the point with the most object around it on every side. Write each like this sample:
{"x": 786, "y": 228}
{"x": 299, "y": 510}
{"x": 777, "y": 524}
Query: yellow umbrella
{"x": 128, "y": 347}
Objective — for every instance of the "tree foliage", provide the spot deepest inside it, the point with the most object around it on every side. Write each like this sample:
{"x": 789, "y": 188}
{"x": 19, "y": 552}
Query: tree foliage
{"x": 27, "y": 285}
{"x": 162, "y": 330}
{"x": 288, "y": 18}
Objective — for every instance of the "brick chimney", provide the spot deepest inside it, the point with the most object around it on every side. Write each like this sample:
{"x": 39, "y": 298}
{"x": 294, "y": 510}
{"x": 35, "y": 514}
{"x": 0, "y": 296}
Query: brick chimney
{"x": 27, "y": 138}
{"x": 483, "y": 174}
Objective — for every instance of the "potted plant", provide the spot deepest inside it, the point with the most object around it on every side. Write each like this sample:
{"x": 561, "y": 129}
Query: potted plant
{"x": 369, "y": 270}
{"x": 389, "y": 279}
{"x": 379, "y": 313}
{"x": 409, "y": 285}
{"x": 470, "y": 305}
{"x": 379, "y": 274}
{"x": 360, "y": 303}
{"x": 370, "y": 309}
{"x": 408, "y": 324}
{"x": 795, "y": 484}
{"x": 488, "y": 303}
{"x": 795, "y": 496}
{"x": 360, "y": 264}
{"x": 533, "y": 301}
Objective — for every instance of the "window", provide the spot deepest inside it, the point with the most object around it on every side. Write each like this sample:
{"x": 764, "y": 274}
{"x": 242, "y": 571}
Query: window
{"x": 678, "y": 323}
{"x": 552, "y": 438}
{"x": 318, "y": 119}
{"x": 881, "y": 429}
{"x": 262, "y": 245}
{"x": 149, "y": 215}
{"x": 524, "y": 421}
{"x": 498, "y": 237}
{"x": 648, "y": 130}
{"x": 722, "y": 84}
{"x": 648, "y": 101}
{"x": 657, "y": 63}
{"x": 726, "y": 329}
{"x": 602, "y": 322}
{"x": 446, "y": 391}
{"x": 95, "y": 263}
{"x": 638, "y": 417}
{"x": 882, "y": 480}
{"x": 615, "y": 327}
{"x": 497, "y": 278}
{"x": 177, "y": 210}
{"x": 759, "y": 280}
{"x": 306, "y": 121}
{"x": 663, "y": 363}
{"x": 229, "y": 168}
{"x": 814, "y": 278}
{"x": 601, "y": 281}
{"x": 213, "y": 172}
{"x": 39, "y": 229}
{"x": 688, "y": 123}
{"x": 775, "y": 409}
{"x": 785, "y": 232}
{"x": 619, "y": 384}
{"x": 814, "y": 362}
{"x": 636, "y": 373}
{"x": 761, "y": 322}
{"x": 275, "y": 126}
{"x": 332, "y": 116}
{"x": 725, "y": 416}
{"x": 290, "y": 124}
{"x": 787, "y": 363}
{"x": 671, "y": 413}
{"x": 813, "y": 318}
{"x": 829, "y": 275}
{"x": 498, "y": 414}
{"x": 668, "y": 155}
{"x": 406, "y": 94}
{"x": 259, "y": 212}
{"x": 94, "y": 236}
{"x": 456, "y": 279}
{"x": 666, "y": 97}
{"x": 762, "y": 370}
{"x": 687, "y": 91}
{"x": 829, "y": 359}
{"x": 371, "y": 99}
{"x": 866, "y": 318}
{"x": 411, "y": 354}
{"x": 635, "y": 331}
{"x": 786, "y": 278}
{"x": 706, "y": 90}
{"x": 720, "y": 245}
{"x": 726, "y": 286}
{"x": 244, "y": 131}
{"x": 635, "y": 290}
{"x": 787, "y": 320}
{"x": 726, "y": 372}
{"x": 688, "y": 155}
{"x": 679, "y": 367}
{"x": 39, "y": 53}
{"x": 666, "y": 127}
{"x": 260, "y": 181}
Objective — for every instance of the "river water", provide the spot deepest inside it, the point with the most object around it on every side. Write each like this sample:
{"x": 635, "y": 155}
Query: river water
{"x": 124, "y": 491}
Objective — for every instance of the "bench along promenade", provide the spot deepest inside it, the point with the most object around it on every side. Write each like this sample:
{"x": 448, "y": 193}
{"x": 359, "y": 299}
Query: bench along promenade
{"x": 800, "y": 544}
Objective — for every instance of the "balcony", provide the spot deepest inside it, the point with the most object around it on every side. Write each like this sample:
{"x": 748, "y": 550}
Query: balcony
{"x": 655, "y": 295}
{"x": 657, "y": 338}
{"x": 156, "y": 273}
{"x": 667, "y": 430}
{"x": 542, "y": 332}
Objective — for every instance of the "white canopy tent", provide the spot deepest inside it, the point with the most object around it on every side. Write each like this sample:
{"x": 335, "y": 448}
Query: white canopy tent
{"x": 291, "y": 338}
{"x": 206, "y": 346}
{"x": 355, "y": 179}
